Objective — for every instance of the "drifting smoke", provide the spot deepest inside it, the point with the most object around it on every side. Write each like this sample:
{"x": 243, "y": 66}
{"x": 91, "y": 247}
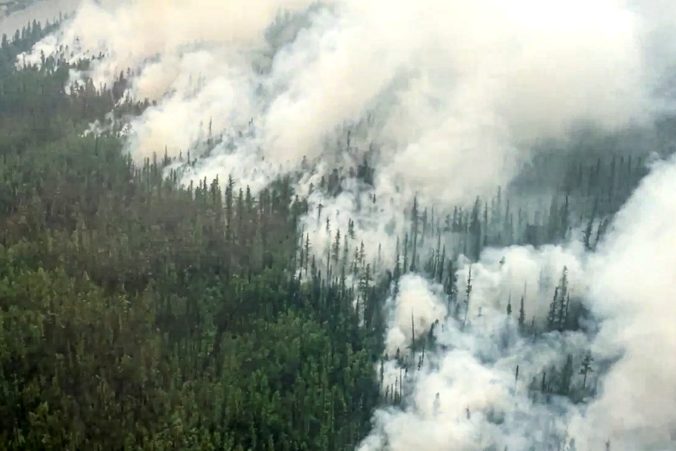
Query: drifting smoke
{"x": 446, "y": 99}
{"x": 504, "y": 275}
{"x": 451, "y": 94}
{"x": 417, "y": 306}
{"x": 466, "y": 394}
{"x": 501, "y": 277}
{"x": 633, "y": 291}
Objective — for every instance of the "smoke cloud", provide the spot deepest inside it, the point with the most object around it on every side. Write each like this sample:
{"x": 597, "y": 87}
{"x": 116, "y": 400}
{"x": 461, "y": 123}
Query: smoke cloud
{"x": 453, "y": 95}
{"x": 633, "y": 291}
{"x": 446, "y": 99}
{"x": 467, "y": 396}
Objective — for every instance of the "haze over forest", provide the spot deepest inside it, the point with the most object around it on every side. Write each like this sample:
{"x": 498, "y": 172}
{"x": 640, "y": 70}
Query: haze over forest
{"x": 338, "y": 225}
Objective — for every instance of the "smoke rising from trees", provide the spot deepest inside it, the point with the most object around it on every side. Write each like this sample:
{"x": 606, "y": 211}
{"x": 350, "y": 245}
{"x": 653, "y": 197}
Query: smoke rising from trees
{"x": 445, "y": 100}
{"x": 452, "y": 96}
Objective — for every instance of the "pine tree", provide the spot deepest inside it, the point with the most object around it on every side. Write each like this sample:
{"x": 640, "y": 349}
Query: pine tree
{"x": 468, "y": 294}
{"x": 336, "y": 247}
{"x": 586, "y": 368}
{"x": 566, "y": 376}
{"x": 414, "y": 233}
{"x": 522, "y": 311}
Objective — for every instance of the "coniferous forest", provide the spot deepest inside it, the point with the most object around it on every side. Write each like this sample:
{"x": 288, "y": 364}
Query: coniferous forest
{"x": 141, "y": 308}
{"x": 137, "y": 313}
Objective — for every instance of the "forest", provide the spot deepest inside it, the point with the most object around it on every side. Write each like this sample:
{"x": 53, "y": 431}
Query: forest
{"x": 137, "y": 313}
{"x": 144, "y": 309}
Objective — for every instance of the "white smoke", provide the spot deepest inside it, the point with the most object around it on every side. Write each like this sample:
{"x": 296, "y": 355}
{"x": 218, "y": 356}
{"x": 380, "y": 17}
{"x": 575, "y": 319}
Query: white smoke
{"x": 416, "y": 307}
{"x": 467, "y": 394}
{"x": 445, "y": 98}
{"x": 633, "y": 291}
{"x": 460, "y": 91}
{"x": 504, "y": 275}
{"x": 451, "y": 403}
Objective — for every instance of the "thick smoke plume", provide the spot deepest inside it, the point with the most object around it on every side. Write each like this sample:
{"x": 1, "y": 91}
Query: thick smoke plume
{"x": 633, "y": 290}
{"x": 446, "y": 98}
{"x": 452, "y": 95}
{"x": 468, "y": 394}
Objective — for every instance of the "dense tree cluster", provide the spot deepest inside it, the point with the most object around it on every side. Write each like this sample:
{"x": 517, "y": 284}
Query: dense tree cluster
{"x": 137, "y": 313}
